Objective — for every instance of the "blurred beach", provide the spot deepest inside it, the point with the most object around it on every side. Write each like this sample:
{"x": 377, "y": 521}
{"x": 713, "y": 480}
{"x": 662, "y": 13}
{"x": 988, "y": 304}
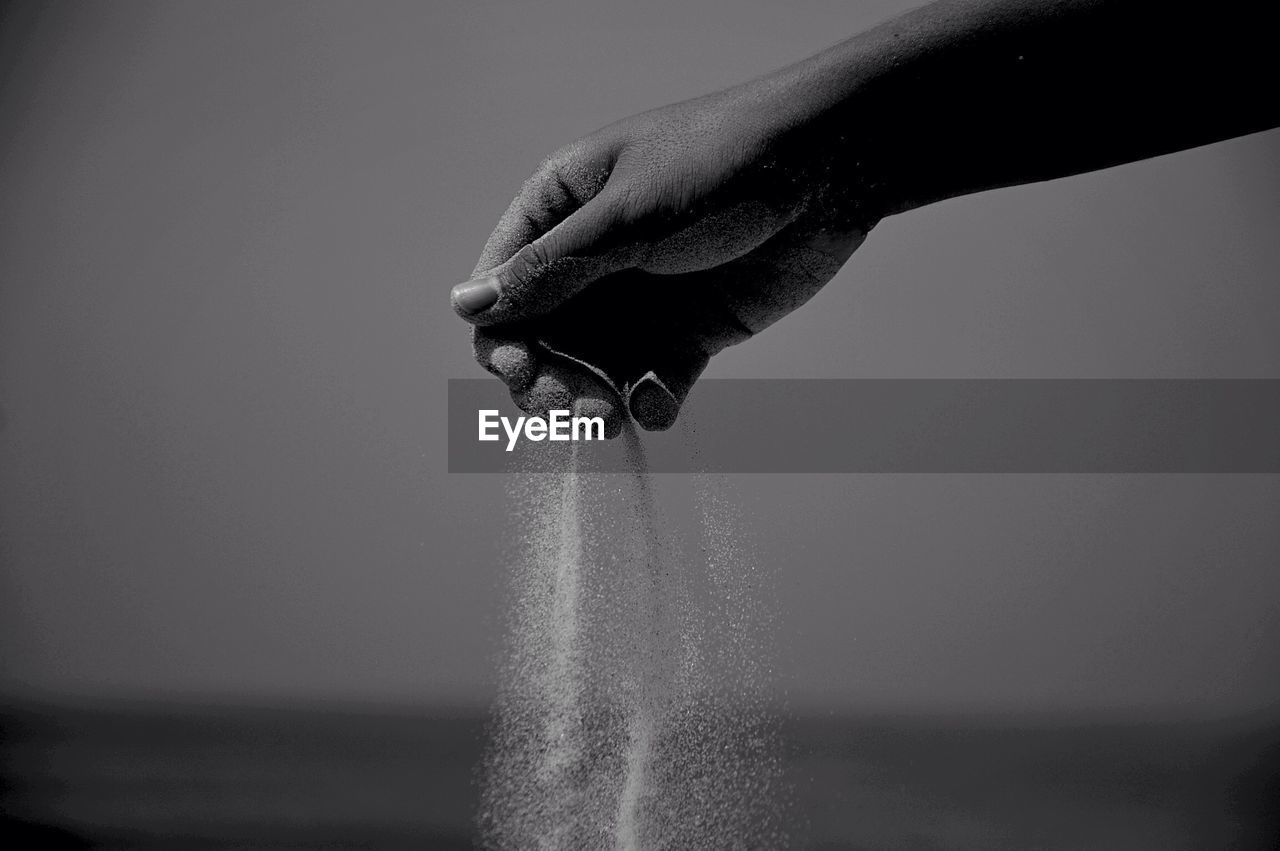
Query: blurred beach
{"x": 126, "y": 775}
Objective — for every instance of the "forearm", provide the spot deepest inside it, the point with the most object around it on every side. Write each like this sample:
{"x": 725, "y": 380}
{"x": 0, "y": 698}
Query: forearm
{"x": 965, "y": 95}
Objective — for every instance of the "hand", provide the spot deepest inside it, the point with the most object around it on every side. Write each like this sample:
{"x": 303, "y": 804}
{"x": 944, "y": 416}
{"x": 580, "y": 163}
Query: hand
{"x": 634, "y": 255}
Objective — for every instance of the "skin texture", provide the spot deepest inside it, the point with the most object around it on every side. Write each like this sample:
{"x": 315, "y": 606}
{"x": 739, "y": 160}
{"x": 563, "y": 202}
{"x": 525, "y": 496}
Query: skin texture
{"x": 634, "y": 255}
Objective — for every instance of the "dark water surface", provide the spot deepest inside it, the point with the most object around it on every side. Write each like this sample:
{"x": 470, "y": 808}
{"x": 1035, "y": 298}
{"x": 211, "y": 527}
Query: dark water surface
{"x": 173, "y": 776}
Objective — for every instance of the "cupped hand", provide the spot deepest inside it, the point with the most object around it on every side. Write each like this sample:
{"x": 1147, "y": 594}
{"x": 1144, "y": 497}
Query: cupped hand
{"x": 634, "y": 255}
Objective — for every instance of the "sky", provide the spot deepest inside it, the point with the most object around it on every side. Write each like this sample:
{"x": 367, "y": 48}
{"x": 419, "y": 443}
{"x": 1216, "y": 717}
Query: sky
{"x": 227, "y": 235}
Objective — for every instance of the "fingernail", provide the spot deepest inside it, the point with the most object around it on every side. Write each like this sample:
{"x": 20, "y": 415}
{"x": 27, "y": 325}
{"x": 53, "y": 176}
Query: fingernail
{"x": 652, "y": 405}
{"x": 475, "y": 296}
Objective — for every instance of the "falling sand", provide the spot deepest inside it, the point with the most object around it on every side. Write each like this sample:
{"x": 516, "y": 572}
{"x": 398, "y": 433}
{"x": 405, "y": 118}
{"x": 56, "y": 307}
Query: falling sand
{"x": 632, "y": 713}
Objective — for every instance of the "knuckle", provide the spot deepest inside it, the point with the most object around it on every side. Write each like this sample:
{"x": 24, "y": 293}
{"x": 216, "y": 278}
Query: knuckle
{"x": 527, "y": 265}
{"x": 626, "y": 204}
{"x": 539, "y": 254}
{"x": 550, "y": 165}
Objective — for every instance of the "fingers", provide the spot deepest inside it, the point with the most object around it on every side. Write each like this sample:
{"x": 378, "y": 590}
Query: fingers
{"x": 508, "y": 357}
{"x": 654, "y": 400}
{"x": 552, "y": 268}
{"x": 539, "y": 385}
{"x": 560, "y": 185}
{"x": 566, "y": 387}
{"x": 559, "y": 188}
{"x": 737, "y": 300}
{"x": 555, "y": 216}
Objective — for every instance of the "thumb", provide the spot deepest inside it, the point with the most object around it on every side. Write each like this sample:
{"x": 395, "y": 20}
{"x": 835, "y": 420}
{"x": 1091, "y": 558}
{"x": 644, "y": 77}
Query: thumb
{"x": 551, "y": 269}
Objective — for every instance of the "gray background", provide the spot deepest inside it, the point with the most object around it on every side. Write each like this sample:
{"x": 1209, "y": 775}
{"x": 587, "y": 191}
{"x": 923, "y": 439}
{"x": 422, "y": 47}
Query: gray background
{"x": 227, "y": 232}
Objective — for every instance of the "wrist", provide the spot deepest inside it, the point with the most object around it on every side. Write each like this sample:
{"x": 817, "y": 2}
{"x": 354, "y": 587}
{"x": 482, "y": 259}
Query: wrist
{"x": 833, "y": 115}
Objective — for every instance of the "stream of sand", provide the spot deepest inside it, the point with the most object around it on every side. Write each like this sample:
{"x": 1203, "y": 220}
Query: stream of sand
{"x": 633, "y": 710}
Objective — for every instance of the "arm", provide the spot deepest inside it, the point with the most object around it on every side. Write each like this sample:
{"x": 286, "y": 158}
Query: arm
{"x": 965, "y": 95}
{"x": 642, "y": 250}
